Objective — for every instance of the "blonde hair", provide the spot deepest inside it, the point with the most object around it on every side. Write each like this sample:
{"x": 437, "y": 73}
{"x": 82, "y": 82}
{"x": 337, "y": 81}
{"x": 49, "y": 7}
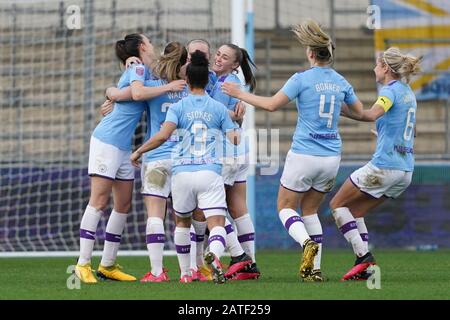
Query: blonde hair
{"x": 170, "y": 63}
{"x": 202, "y": 41}
{"x": 401, "y": 65}
{"x": 311, "y": 35}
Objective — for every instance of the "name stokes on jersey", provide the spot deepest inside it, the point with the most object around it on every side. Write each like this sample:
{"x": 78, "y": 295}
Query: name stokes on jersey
{"x": 199, "y": 115}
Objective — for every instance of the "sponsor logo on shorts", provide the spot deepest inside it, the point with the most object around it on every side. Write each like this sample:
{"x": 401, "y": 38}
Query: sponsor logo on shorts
{"x": 102, "y": 168}
{"x": 372, "y": 180}
{"x": 329, "y": 185}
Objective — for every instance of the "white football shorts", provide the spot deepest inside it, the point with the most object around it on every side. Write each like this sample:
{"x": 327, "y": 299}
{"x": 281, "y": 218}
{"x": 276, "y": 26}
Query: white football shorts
{"x": 156, "y": 178}
{"x": 304, "y": 172}
{"x": 234, "y": 170}
{"x": 378, "y": 182}
{"x": 199, "y": 189}
{"x": 108, "y": 161}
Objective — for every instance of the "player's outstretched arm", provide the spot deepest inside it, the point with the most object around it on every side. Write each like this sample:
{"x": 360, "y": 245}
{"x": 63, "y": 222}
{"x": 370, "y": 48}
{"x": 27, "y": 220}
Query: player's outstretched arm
{"x": 116, "y": 94}
{"x": 373, "y": 113}
{"x": 267, "y": 103}
{"x": 353, "y": 111}
{"x": 139, "y": 92}
{"x": 154, "y": 142}
{"x": 356, "y": 112}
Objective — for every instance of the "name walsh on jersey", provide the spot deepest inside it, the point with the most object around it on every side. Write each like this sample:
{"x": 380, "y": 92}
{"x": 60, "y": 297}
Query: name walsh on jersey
{"x": 176, "y": 95}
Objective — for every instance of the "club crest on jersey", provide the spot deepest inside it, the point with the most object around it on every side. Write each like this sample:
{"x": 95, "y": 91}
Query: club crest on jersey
{"x": 140, "y": 71}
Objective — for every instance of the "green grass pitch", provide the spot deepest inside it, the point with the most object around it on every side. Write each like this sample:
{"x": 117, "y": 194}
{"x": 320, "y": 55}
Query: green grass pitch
{"x": 404, "y": 275}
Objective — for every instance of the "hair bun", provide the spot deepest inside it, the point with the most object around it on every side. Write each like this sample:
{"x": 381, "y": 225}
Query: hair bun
{"x": 198, "y": 58}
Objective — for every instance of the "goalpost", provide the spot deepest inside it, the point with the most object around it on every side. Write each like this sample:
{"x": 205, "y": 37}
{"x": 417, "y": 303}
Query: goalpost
{"x": 242, "y": 34}
{"x": 57, "y": 58}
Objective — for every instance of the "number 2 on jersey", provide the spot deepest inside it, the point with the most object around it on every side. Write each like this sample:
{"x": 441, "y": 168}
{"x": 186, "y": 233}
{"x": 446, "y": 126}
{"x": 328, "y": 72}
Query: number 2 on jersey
{"x": 165, "y": 106}
{"x": 329, "y": 114}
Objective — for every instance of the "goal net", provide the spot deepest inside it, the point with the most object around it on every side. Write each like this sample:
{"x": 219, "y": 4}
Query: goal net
{"x": 57, "y": 59}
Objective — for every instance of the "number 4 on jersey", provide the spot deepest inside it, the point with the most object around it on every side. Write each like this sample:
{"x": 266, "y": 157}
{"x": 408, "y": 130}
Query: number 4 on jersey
{"x": 329, "y": 114}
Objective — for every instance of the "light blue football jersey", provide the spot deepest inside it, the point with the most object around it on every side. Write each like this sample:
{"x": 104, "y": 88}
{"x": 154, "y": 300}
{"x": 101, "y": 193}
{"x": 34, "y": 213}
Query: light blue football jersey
{"x": 230, "y": 102}
{"x": 319, "y": 93}
{"x": 118, "y": 127}
{"x": 212, "y": 79}
{"x": 218, "y": 95}
{"x": 395, "y": 141}
{"x": 156, "y": 115}
{"x": 201, "y": 126}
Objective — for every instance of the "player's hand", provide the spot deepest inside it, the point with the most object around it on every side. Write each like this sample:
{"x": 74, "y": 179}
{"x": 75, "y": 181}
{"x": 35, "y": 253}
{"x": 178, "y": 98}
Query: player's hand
{"x": 107, "y": 107}
{"x": 177, "y": 85}
{"x": 135, "y": 156}
{"x": 240, "y": 109}
{"x": 232, "y": 115}
{"x": 231, "y": 89}
{"x": 112, "y": 93}
{"x": 344, "y": 110}
{"x": 132, "y": 60}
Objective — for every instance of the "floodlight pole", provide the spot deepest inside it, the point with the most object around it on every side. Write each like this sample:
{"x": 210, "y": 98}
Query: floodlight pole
{"x": 242, "y": 34}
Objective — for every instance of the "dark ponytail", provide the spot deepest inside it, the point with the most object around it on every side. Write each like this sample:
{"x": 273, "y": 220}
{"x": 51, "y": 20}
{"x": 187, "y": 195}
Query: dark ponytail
{"x": 129, "y": 47}
{"x": 197, "y": 70}
{"x": 246, "y": 63}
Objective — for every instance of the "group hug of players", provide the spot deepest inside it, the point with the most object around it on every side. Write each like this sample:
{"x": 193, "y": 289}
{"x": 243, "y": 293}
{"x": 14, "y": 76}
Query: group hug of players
{"x": 196, "y": 152}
